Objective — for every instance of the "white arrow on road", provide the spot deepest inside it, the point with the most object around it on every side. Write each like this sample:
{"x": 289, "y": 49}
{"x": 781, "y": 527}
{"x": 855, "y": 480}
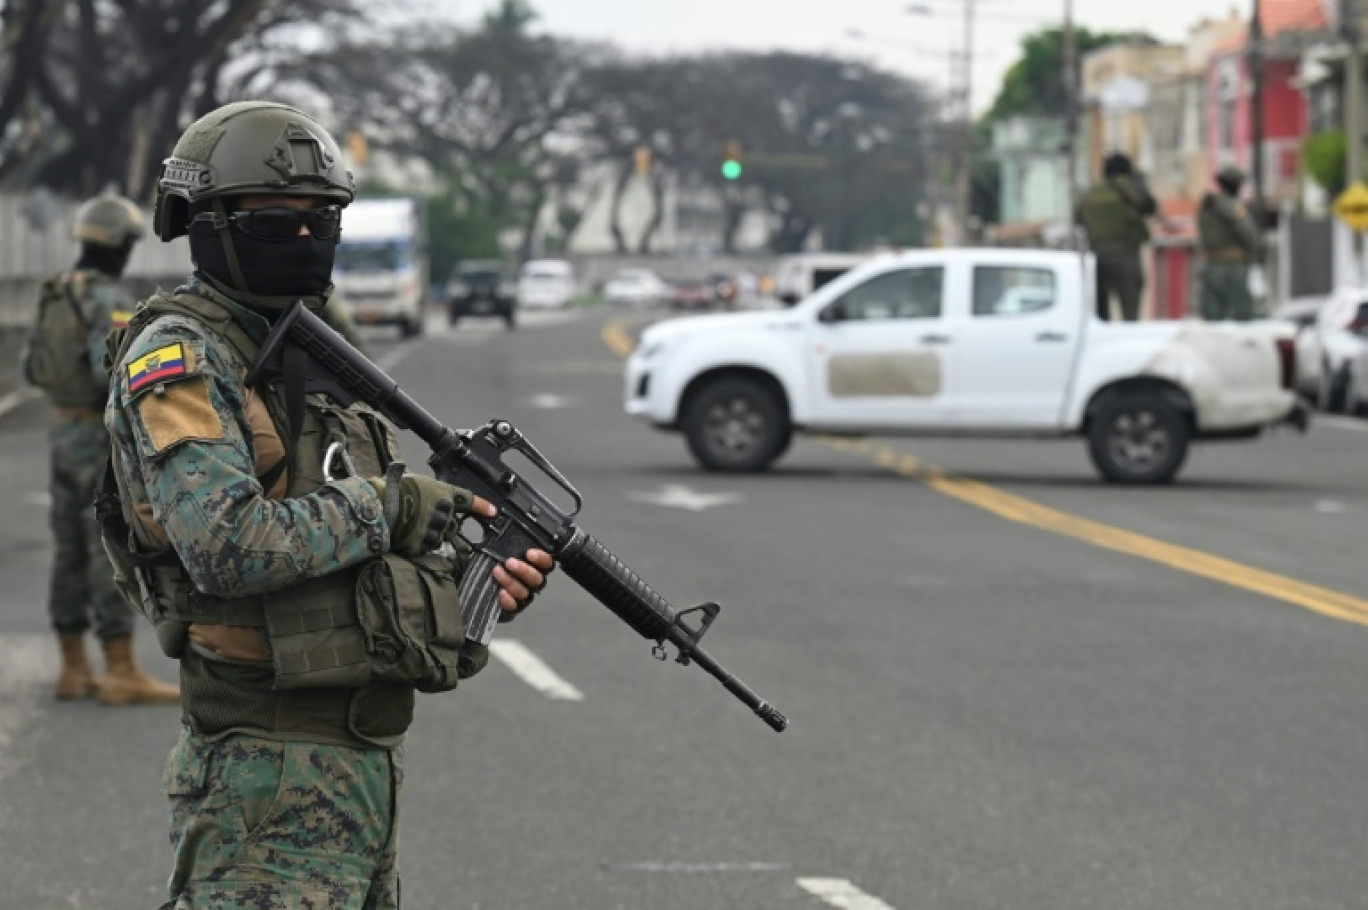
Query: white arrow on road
{"x": 550, "y": 402}
{"x": 675, "y": 496}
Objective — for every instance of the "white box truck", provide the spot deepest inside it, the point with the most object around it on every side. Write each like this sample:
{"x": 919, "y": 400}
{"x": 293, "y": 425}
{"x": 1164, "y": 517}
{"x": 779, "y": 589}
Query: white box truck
{"x": 381, "y": 271}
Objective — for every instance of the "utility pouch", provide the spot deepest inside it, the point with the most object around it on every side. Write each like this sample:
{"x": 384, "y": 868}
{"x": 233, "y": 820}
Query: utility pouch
{"x": 313, "y": 636}
{"x": 410, "y": 613}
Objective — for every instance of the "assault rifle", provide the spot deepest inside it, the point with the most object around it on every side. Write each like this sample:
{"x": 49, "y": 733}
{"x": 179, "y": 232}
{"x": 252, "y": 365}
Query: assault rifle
{"x": 303, "y": 351}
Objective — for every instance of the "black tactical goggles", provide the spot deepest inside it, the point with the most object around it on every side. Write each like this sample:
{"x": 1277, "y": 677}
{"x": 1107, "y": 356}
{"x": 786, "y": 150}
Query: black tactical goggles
{"x": 280, "y": 225}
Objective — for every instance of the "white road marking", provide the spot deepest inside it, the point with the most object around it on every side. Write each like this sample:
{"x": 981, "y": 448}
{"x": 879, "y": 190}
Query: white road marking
{"x": 16, "y": 398}
{"x": 532, "y": 670}
{"x": 1331, "y": 507}
{"x": 393, "y": 358}
{"x": 671, "y": 867}
{"x": 676, "y": 496}
{"x": 43, "y": 500}
{"x": 1342, "y": 423}
{"x": 28, "y": 665}
{"x": 550, "y": 402}
{"x": 838, "y": 892}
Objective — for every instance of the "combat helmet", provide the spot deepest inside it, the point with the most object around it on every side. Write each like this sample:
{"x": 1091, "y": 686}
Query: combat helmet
{"x": 108, "y": 220}
{"x": 243, "y": 148}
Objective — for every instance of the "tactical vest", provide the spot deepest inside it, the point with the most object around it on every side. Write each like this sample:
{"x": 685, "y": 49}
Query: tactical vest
{"x": 352, "y": 645}
{"x": 1112, "y": 218}
{"x": 57, "y": 356}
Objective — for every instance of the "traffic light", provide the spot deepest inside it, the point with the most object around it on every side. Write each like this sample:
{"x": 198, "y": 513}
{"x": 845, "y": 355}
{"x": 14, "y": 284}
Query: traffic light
{"x": 357, "y": 149}
{"x": 731, "y": 161}
{"x": 641, "y": 160}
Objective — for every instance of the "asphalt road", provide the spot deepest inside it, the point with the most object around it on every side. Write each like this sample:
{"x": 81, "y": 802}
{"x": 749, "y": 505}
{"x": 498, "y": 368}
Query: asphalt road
{"x": 1010, "y": 686}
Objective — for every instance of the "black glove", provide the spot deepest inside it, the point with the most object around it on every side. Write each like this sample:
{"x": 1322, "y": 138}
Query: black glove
{"x": 421, "y": 511}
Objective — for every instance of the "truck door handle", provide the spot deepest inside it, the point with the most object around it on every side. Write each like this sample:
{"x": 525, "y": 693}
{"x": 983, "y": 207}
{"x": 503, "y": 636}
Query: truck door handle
{"x": 935, "y": 339}
{"x": 1052, "y": 336}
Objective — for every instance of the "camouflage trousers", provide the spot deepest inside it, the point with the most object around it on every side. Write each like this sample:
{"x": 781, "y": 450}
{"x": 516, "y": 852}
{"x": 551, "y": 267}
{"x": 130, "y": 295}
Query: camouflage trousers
{"x": 82, "y": 589}
{"x": 263, "y": 825}
{"x": 1225, "y": 291}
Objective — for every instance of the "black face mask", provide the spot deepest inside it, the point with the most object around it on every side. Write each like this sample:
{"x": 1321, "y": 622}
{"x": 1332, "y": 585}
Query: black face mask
{"x": 298, "y": 267}
{"x": 112, "y": 260}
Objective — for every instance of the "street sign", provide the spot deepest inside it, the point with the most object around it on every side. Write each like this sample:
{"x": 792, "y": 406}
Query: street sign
{"x": 1352, "y": 207}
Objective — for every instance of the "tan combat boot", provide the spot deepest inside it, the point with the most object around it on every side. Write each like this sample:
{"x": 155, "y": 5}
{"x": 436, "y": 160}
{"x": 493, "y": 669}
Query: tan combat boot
{"x": 125, "y": 683}
{"x": 76, "y": 680}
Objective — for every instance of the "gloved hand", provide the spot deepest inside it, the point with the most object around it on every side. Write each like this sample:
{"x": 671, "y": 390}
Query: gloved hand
{"x": 420, "y": 511}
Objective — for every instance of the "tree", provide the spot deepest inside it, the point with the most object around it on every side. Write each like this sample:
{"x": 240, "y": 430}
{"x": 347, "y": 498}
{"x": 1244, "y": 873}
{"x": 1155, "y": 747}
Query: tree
{"x": 114, "y": 83}
{"x": 490, "y": 110}
{"x": 1034, "y": 85}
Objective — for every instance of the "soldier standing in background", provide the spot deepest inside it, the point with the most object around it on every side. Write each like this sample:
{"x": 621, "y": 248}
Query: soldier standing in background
{"x": 1113, "y": 213}
{"x": 65, "y": 357}
{"x": 1230, "y": 244}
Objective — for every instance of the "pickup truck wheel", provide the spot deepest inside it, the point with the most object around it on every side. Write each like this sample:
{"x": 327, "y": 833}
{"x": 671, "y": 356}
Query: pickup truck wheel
{"x": 411, "y": 328}
{"x": 736, "y": 425}
{"x": 1138, "y": 439}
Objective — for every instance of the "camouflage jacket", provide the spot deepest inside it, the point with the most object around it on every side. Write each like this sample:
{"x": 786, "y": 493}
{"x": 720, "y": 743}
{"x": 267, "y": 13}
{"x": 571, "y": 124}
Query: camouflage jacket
{"x": 178, "y": 418}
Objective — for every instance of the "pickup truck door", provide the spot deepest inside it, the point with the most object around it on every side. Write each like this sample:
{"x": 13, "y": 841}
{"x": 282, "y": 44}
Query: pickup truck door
{"x": 1016, "y": 341}
{"x": 878, "y": 354}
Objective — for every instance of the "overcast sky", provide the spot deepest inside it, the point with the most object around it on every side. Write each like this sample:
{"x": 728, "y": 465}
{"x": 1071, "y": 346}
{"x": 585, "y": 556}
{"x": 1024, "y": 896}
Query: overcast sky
{"x": 888, "y": 34}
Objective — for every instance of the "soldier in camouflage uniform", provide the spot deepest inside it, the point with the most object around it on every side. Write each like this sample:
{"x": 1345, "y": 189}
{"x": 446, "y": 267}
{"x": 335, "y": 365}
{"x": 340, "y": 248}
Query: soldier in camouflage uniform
{"x": 1230, "y": 242}
{"x": 65, "y": 357}
{"x": 265, "y": 576}
{"x": 1113, "y": 213}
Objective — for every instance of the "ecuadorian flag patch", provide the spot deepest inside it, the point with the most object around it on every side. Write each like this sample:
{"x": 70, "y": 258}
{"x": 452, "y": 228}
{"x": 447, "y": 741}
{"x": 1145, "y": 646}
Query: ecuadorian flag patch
{"x": 161, "y": 364}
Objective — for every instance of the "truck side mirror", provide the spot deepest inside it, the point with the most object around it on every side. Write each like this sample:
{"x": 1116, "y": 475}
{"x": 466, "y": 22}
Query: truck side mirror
{"x": 833, "y": 313}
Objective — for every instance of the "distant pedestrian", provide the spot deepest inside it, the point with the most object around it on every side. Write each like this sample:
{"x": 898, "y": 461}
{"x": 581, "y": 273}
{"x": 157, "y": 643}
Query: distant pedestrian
{"x": 1230, "y": 243}
{"x": 1114, "y": 214}
{"x": 65, "y": 358}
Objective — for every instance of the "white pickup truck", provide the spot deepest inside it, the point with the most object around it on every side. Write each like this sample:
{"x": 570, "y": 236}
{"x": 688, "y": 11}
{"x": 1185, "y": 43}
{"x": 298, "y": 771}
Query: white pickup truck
{"x": 962, "y": 342}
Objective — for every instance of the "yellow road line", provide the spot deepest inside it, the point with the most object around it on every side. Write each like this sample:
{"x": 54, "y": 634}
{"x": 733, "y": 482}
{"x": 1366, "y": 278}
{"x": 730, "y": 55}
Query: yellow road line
{"x": 1324, "y": 601}
{"x": 618, "y": 339}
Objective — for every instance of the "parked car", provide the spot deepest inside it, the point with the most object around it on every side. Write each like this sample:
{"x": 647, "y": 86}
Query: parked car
{"x": 1300, "y": 313}
{"x": 545, "y": 284}
{"x": 692, "y": 295}
{"x": 636, "y": 288}
{"x": 992, "y": 342}
{"x": 482, "y": 288}
{"x": 1334, "y": 343}
{"x": 724, "y": 291}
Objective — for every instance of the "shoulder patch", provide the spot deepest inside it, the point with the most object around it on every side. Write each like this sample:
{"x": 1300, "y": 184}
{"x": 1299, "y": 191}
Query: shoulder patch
{"x": 166, "y": 362}
{"x": 179, "y": 413}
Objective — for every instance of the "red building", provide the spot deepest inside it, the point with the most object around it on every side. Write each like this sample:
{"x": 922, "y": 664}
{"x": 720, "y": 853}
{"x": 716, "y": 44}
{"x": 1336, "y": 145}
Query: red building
{"x": 1288, "y": 26}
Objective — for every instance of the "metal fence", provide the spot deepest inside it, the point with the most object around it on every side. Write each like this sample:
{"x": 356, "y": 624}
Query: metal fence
{"x": 35, "y": 243}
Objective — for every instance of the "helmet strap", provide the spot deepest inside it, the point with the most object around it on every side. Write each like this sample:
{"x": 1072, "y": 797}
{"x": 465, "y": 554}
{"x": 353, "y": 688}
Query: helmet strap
{"x": 229, "y": 250}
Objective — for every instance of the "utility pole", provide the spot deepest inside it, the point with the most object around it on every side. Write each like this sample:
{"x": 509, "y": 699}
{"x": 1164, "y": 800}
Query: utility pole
{"x": 1070, "y": 78}
{"x": 1254, "y": 58}
{"x": 1353, "y": 114}
{"x": 1353, "y": 91}
{"x": 963, "y": 206}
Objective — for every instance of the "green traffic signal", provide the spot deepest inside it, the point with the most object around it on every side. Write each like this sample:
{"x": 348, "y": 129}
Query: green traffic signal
{"x": 731, "y": 170}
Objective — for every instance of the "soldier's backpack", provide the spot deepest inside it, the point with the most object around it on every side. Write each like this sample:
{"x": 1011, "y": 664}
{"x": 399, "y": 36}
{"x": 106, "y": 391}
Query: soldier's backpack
{"x": 57, "y": 358}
